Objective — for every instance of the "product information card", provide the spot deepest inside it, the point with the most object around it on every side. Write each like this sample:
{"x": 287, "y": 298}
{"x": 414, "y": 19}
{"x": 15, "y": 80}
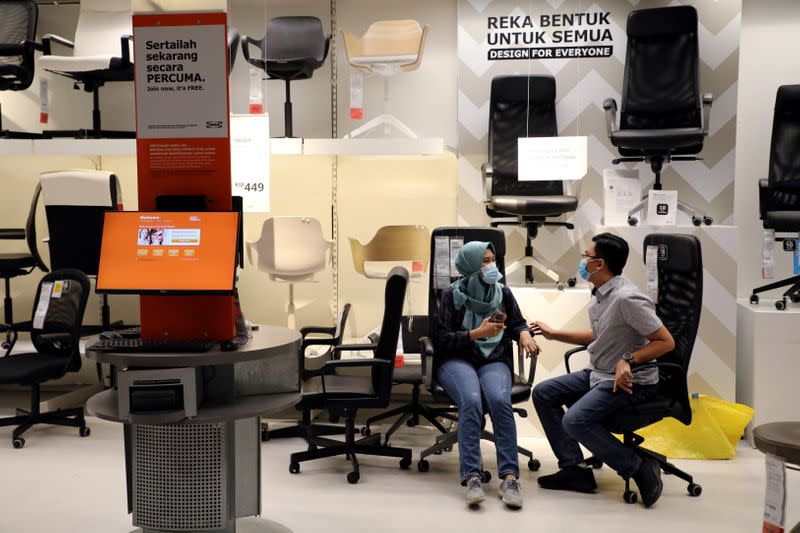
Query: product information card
{"x": 662, "y": 208}
{"x": 622, "y": 191}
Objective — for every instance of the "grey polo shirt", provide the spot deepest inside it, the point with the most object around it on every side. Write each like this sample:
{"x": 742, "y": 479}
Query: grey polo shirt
{"x": 621, "y": 318}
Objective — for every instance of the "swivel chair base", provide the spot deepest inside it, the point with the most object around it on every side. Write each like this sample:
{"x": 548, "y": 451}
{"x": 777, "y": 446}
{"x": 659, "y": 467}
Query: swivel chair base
{"x": 793, "y": 293}
{"x": 304, "y": 429}
{"x": 27, "y": 419}
{"x": 409, "y": 414}
{"x": 528, "y": 261}
{"x": 319, "y": 448}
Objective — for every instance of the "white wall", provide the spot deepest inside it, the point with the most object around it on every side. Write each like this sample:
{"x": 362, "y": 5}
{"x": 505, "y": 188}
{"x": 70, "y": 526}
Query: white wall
{"x": 769, "y": 46}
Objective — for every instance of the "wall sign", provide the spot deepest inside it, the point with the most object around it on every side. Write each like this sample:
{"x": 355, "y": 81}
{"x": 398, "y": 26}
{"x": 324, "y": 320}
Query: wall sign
{"x": 551, "y": 158}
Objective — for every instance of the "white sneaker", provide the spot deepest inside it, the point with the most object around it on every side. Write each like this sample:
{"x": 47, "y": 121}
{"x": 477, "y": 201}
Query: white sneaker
{"x": 509, "y": 492}
{"x": 475, "y": 494}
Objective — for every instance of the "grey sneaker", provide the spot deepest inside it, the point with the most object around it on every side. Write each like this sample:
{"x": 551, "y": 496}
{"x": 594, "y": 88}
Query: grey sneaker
{"x": 475, "y": 494}
{"x": 509, "y": 491}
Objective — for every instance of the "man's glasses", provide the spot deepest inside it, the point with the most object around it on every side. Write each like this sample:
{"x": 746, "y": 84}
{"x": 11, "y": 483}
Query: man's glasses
{"x": 584, "y": 255}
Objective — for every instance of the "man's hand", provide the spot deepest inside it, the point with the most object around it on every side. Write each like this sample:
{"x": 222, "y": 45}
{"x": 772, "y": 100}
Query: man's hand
{"x": 487, "y": 329}
{"x": 528, "y": 345}
{"x": 540, "y": 328}
{"x": 623, "y": 378}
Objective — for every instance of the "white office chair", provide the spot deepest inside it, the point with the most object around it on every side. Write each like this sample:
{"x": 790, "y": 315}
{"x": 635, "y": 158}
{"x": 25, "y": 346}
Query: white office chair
{"x": 387, "y": 48}
{"x": 290, "y": 250}
{"x": 101, "y": 53}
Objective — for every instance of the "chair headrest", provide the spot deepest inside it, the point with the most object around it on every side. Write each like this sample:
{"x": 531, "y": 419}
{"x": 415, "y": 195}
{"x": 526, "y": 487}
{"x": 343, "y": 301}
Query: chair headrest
{"x": 535, "y": 89}
{"x": 679, "y": 253}
{"x": 661, "y": 21}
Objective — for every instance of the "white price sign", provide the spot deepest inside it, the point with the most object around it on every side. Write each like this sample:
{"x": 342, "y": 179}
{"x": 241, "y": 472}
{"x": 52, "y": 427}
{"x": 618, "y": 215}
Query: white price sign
{"x": 551, "y": 158}
{"x": 250, "y": 161}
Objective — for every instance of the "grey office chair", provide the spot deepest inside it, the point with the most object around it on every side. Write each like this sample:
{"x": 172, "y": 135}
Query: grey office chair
{"x": 663, "y": 116}
{"x": 292, "y": 49}
{"x": 18, "y": 20}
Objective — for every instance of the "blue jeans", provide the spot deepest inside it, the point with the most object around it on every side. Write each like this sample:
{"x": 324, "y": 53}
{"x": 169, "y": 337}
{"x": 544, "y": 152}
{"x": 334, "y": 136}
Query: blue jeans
{"x": 583, "y": 421}
{"x": 464, "y": 384}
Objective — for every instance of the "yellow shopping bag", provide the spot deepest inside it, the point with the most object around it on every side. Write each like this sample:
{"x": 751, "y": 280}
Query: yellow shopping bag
{"x": 716, "y": 427}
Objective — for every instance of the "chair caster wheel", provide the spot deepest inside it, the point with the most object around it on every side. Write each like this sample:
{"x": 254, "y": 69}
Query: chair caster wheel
{"x": 560, "y": 286}
{"x": 405, "y": 463}
{"x": 448, "y": 449}
{"x": 571, "y": 282}
{"x": 534, "y": 465}
{"x": 333, "y": 419}
{"x": 18, "y": 443}
{"x": 696, "y": 221}
{"x": 423, "y": 465}
{"x": 6, "y": 345}
{"x": 795, "y": 298}
{"x": 633, "y": 221}
{"x": 630, "y": 497}
{"x": 366, "y": 431}
{"x": 780, "y": 305}
{"x": 694, "y": 489}
{"x": 595, "y": 463}
{"x": 754, "y": 299}
{"x": 294, "y": 468}
{"x": 410, "y": 423}
{"x": 353, "y": 477}
{"x": 486, "y": 476}
{"x": 84, "y": 431}
{"x": 708, "y": 221}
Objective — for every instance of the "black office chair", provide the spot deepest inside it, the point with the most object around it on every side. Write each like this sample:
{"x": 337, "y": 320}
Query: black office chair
{"x": 347, "y": 394}
{"x": 305, "y": 428}
{"x": 57, "y": 315}
{"x": 523, "y": 106}
{"x": 521, "y": 385}
{"x": 292, "y": 49}
{"x": 663, "y": 117}
{"x": 233, "y": 46}
{"x": 102, "y": 54}
{"x": 13, "y": 265}
{"x": 779, "y": 194}
{"x": 413, "y": 329}
{"x": 18, "y": 20}
{"x": 680, "y": 301}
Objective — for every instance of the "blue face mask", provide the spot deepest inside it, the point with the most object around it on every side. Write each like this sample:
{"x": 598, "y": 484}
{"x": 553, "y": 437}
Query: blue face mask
{"x": 582, "y": 271}
{"x": 490, "y": 274}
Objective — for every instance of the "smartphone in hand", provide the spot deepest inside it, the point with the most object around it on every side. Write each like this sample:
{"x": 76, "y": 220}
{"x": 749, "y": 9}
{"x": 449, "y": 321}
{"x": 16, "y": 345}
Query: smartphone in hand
{"x": 499, "y": 317}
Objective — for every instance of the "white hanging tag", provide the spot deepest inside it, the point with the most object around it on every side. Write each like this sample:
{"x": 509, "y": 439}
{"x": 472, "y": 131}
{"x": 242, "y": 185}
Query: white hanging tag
{"x": 441, "y": 262}
{"x": 43, "y": 104}
{"x": 356, "y": 95}
{"x": 456, "y": 244}
{"x": 651, "y": 271}
{"x": 775, "y": 499}
{"x": 41, "y": 307}
{"x": 256, "y": 92}
{"x": 768, "y": 254}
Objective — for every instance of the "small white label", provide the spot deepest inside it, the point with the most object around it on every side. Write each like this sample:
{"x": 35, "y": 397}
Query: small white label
{"x": 551, "y": 158}
{"x": 622, "y": 191}
{"x": 456, "y": 244}
{"x": 256, "y": 93}
{"x": 356, "y": 95}
{"x": 44, "y": 112}
{"x": 775, "y": 500}
{"x": 662, "y": 207}
{"x": 651, "y": 271}
{"x": 58, "y": 288}
{"x": 768, "y": 254}
{"x": 41, "y": 307}
{"x": 441, "y": 262}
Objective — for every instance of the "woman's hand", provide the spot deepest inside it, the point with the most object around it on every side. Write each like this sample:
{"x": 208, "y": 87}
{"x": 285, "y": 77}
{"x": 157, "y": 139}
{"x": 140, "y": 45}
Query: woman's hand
{"x": 528, "y": 345}
{"x": 540, "y": 328}
{"x": 487, "y": 329}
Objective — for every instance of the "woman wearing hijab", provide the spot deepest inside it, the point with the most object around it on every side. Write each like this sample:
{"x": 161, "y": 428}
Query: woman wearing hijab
{"x": 478, "y": 319}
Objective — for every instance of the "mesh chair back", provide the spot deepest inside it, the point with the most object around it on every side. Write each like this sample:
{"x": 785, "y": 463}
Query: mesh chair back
{"x": 394, "y": 298}
{"x": 101, "y": 24}
{"x": 58, "y": 308}
{"x": 784, "y": 158}
{"x": 661, "y": 85}
{"x": 520, "y": 106}
{"x": 75, "y": 203}
{"x": 17, "y": 23}
{"x": 680, "y": 301}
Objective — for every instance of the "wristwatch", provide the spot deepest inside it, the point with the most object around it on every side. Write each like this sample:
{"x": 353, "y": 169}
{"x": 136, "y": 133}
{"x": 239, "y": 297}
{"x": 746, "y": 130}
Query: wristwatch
{"x": 628, "y": 357}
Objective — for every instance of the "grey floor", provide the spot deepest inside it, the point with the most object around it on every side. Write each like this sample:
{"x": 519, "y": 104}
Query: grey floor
{"x": 62, "y": 483}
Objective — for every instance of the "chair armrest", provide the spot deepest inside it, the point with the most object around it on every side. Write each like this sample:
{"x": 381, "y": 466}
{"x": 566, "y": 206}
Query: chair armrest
{"x": 315, "y": 342}
{"x": 318, "y": 329}
{"x": 426, "y": 355}
{"x": 354, "y": 347}
{"x": 12, "y": 234}
{"x": 246, "y": 42}
{"x": 50, "y": 38}
{"x": 32, "y": 45}
{"x": 521, "y": 366}
{"x": 672, "y": 367}
{"x": 54, "y": 337}
{"x": 125, "y": 48}
{"x": 350, "y": 363}
{"x": 764, "y": 198}
{"x": 569, "y": 354}
{"x": 707, "y": 99}
{"x": 610, "y": 106}
{"x": 487, "y": 174}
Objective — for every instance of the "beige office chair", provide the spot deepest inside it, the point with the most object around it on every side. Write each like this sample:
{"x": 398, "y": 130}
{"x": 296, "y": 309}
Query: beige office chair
{"x": 406, "y": 246}
{"x": 388, "y": 47}
{"x": 290, "y": 250}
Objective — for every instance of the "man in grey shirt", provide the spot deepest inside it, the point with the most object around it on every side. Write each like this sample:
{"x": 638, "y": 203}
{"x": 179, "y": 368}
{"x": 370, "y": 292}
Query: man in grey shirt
{"x": 626, "y": 336}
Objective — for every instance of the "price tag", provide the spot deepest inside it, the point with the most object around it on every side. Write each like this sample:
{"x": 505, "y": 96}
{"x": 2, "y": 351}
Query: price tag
{"x": 775, "y": 500}
{"x": 42, "y": 306}
{"x": 43, "y": 104}
{"x": 768, "y": 254}
{"x": 441, "y": 262}
{"x": 399, "y": 361}
{"x": 356, "y": 95}
{"x": 651, "y": 271}
{"x": 256, "y": 93}
{"x": 399, "y": 351}
{"x": 250, "y": 161}
{"x": 456, "y": 244}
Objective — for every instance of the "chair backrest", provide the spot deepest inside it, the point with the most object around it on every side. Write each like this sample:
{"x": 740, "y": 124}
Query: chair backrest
{"x": 75, "y": 202}
{"x": 680, "y": 301}
{"x": 392, "y": 243}
{"x": 233, "y": 46}
{"x": 520, "y": 106}
{"x": 394, "y": 299}
{"x": 101, "y": 24}
{"x": 661, "y": 88}
{"x": 58, "y": 308}
{"x": 291, "y": 247}
{"x": 392, "y": 38}
{"x": 30, "y": 230}
{"x": 18, "y": 20}
{"x": 341, "y": 323}
{"x": 295, "y": 39}
{"x": 784, "y": 158}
